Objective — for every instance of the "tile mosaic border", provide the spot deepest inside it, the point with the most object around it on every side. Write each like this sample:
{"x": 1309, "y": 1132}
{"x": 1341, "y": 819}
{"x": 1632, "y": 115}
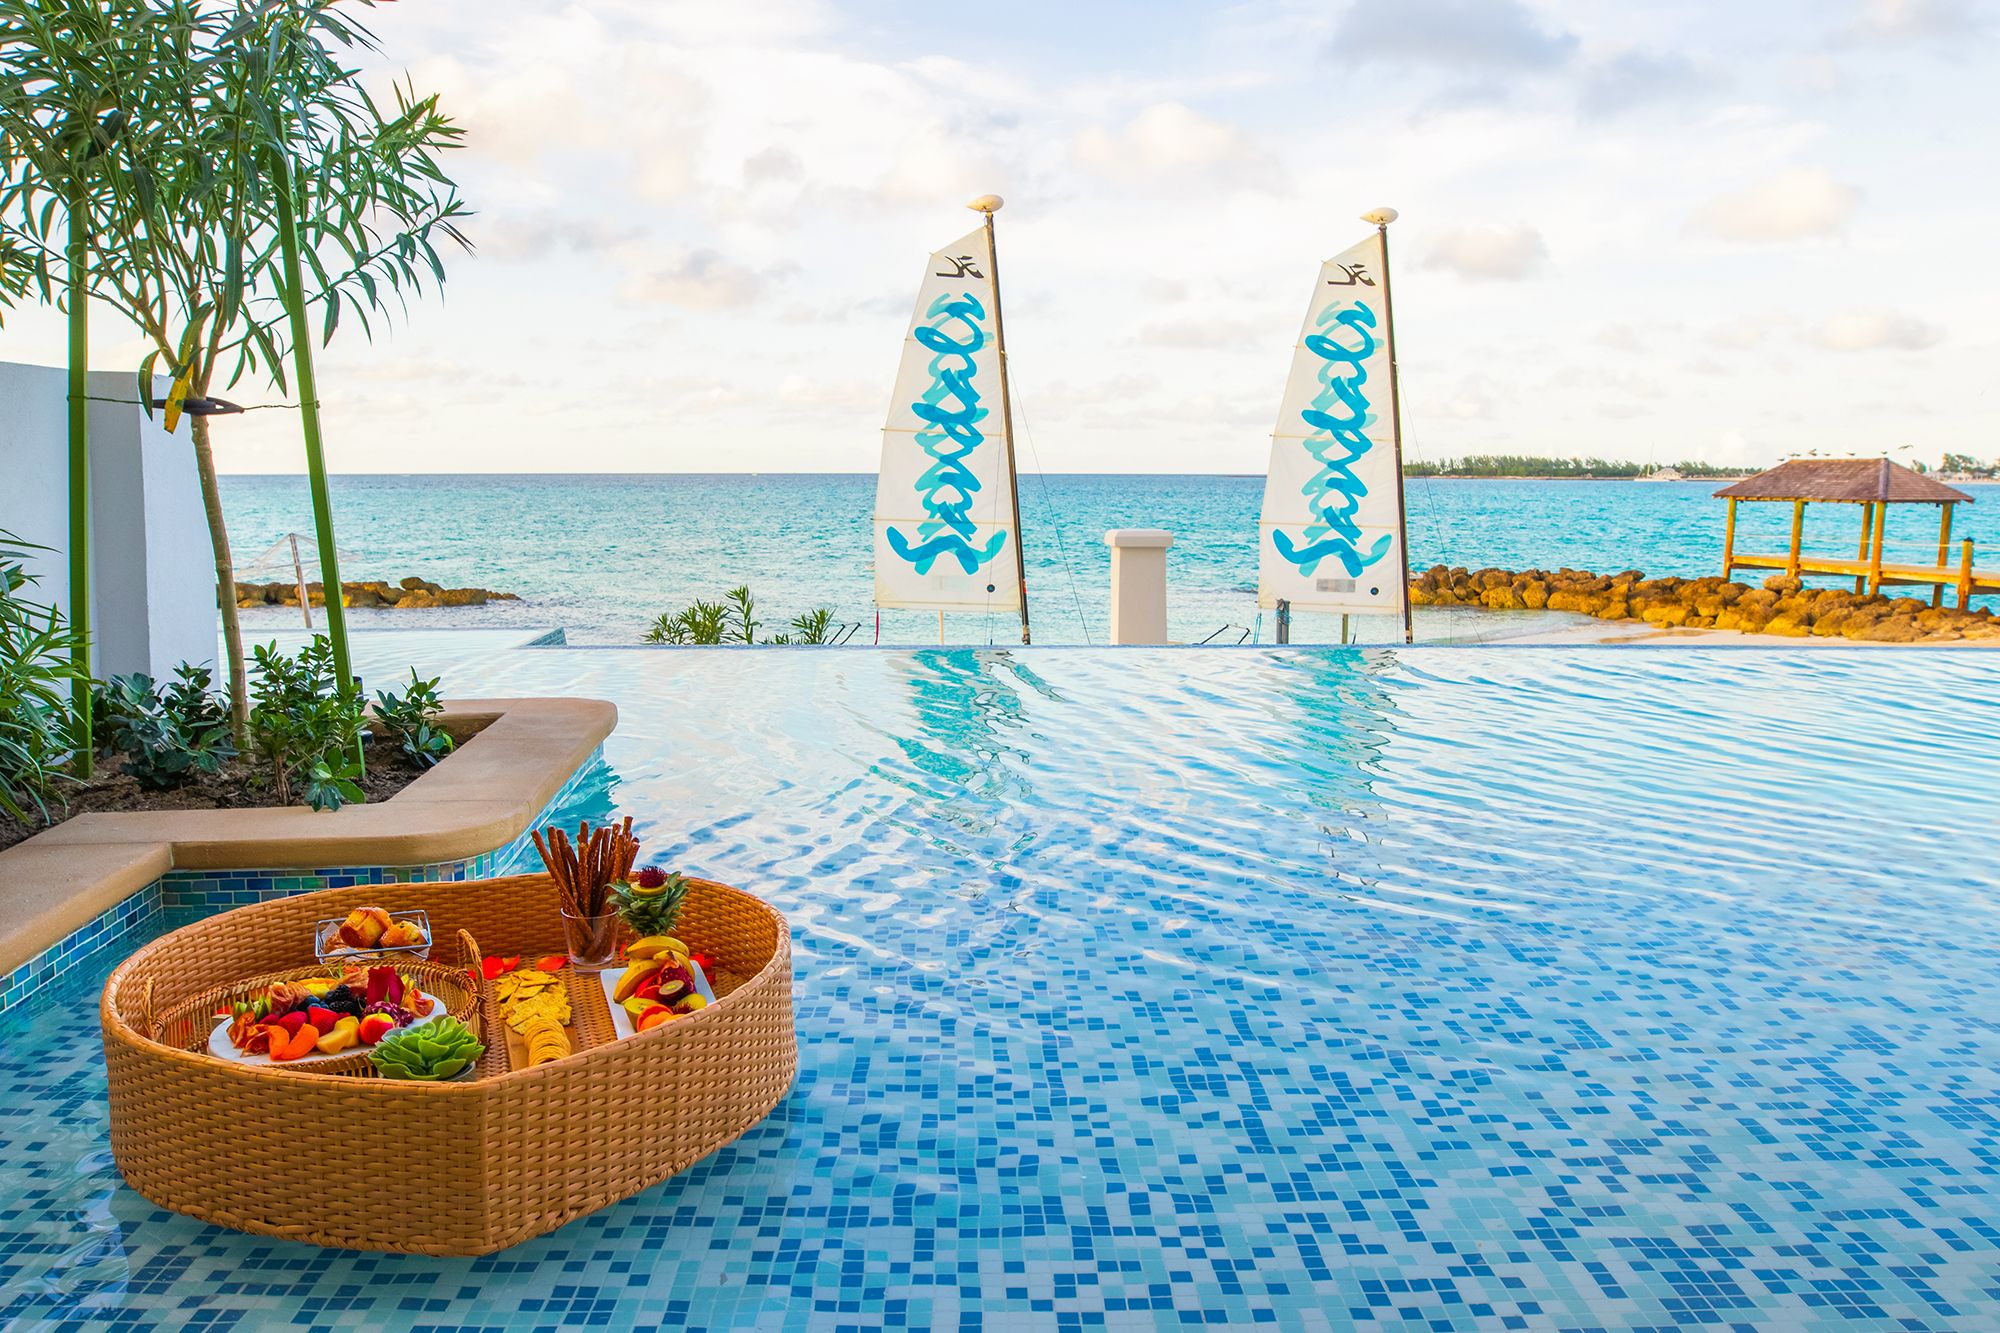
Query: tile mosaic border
{"x": 209, "y": 891}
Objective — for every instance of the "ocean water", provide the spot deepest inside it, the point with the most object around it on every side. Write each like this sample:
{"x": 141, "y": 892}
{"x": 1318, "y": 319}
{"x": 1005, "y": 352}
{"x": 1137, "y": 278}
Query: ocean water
{"x": 1391, "y": 989}
{"x": 601, "y": 556}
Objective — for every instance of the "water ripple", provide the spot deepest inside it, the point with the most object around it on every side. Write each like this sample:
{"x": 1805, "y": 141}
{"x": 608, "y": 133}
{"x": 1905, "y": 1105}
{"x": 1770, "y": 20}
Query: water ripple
{"x": 1575, "y": 987}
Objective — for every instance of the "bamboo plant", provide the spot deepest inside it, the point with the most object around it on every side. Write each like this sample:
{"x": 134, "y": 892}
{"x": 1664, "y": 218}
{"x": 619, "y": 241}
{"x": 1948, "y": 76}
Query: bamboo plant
{"x": 260, "y": 181}
{"x": 69, "y": 76}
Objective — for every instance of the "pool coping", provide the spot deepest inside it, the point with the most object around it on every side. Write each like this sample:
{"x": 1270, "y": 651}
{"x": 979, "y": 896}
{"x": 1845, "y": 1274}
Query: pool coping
{"x": 483, "y": 796}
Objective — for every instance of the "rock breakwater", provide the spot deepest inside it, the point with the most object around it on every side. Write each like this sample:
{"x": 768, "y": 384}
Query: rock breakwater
{"x": 1782, "y": 606}
{"x": 412, "y": 594}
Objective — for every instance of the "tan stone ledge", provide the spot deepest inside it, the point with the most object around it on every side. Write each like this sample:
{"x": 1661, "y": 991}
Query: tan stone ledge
{"x": 480, "y": 798}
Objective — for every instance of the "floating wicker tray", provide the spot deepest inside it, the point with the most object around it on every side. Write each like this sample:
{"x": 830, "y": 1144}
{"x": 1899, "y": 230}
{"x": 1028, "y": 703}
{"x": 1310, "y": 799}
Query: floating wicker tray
{"x": 350, "y": 1160}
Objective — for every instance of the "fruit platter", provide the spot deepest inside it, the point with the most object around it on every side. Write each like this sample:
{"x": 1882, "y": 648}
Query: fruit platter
{"x": 663, "y": 980}
{"x": 310, "y": 1018}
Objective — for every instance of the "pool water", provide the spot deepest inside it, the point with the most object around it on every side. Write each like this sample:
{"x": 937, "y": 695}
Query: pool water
{"x": 1382, "y": 989}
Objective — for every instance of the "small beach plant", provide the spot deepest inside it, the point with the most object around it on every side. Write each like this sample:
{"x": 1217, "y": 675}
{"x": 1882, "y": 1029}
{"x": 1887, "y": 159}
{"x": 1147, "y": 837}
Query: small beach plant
{"x": 744, "y": 630}
{"x": 734, "y": 620}
{"x": 814, "y": 627}
{"x": 703, "y": 624}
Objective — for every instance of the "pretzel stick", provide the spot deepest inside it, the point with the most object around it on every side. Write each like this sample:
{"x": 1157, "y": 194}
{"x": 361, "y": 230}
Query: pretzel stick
{"x": 585, "y": 869}
{"x": 628, "y": 850}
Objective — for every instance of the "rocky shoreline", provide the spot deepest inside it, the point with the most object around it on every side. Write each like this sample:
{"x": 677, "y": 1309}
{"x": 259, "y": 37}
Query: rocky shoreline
{"x": 1782, "y": 606}
{"x": 412, "y": 594}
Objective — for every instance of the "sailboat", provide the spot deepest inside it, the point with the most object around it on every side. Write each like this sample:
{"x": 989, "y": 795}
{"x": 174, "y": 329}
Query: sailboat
{"x": 947, "y": 502}
{"x": 1331, "y": 534}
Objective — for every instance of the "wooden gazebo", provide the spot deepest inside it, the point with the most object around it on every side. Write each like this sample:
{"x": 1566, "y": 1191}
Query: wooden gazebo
{"x": 1874, "y": 484}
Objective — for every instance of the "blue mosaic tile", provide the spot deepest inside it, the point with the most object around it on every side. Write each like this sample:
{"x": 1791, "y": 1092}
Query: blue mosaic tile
{"x": 1450, "y": 991}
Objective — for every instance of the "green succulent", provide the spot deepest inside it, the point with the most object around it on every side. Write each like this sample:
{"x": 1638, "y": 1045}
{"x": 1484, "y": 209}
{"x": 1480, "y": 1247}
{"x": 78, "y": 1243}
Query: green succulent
{"x": 439, "y": 1050}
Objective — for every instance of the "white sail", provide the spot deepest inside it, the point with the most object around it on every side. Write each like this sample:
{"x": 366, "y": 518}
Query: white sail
{"x": 944, "y": 509}
{"x": 1332, "y": 529}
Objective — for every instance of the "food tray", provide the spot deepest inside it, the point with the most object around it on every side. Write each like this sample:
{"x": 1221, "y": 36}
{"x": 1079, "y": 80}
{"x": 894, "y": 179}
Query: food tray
{"x": 482, "y": 1164}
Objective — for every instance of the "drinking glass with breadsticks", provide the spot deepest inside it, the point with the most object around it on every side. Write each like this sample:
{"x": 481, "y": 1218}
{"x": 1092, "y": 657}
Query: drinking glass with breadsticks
{"x": 585, "y": 872}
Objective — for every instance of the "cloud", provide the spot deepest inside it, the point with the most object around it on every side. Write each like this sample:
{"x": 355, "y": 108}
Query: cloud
{"x": 699, "y": 280}
{"x": 1637, "y": 78}
{"x": 1506, "y": 253}
{"x": 1619, "y": 338}
{"x": 821, "y": 395}
{"x": 1796, "y": 204}
{"x": 1477, "y": 398}
{"x": 1191, "y": 333}
{"x": 1168, "y": 140}
{"x": 775, "y": 164}
{"x": 1915, "y": 20}
{"x": 1876, "y": 330}
{"x": 537, "y": 235}
{"x": 1450, "y": 34}
{"x": 1749, "y": 329}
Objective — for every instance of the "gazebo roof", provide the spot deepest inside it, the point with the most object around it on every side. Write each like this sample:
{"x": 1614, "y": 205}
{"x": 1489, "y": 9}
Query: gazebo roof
{"x": 1854, "y": 480}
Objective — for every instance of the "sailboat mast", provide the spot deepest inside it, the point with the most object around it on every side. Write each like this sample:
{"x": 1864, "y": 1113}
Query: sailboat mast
{"x": 1382, "y": 217}
{"x": 988, "y": 205}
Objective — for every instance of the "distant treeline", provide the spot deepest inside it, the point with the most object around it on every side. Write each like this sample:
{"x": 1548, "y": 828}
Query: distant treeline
{"x": 1965, "y": 465}
{"x": 1523, "y": 465}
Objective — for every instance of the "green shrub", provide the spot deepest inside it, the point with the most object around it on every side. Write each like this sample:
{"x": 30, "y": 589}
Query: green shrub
{"x": 734, "y": 620}
{"x": 37, "y": 723}
{"x": 167, "y": 736}
{"x": 814, "y": 627}
{"x": 702, "y": 624}
{"x": 409, "y": 720}
{"x": 304, "y": 729}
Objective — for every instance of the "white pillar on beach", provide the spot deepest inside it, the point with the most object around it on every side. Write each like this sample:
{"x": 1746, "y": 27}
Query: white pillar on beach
{"x": 1138, "y": 584}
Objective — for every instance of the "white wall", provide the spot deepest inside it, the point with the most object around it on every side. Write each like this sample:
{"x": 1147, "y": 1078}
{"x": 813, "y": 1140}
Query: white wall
{"x": 153, "y": 572}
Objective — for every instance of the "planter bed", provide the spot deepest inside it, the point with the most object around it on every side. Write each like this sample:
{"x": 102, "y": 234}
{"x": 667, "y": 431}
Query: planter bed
{"x": 59, "y": 889}
{"x": 242, "y": 784}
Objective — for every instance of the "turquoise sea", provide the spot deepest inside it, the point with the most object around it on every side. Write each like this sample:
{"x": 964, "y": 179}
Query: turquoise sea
{"x": 600, "y": 556}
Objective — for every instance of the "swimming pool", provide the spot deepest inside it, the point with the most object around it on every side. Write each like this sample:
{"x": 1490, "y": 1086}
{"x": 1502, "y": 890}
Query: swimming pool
{"x": 1447, "y": 988}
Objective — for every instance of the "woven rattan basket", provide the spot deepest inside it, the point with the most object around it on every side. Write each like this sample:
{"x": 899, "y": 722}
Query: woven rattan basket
{"x": 439, "y": 1168}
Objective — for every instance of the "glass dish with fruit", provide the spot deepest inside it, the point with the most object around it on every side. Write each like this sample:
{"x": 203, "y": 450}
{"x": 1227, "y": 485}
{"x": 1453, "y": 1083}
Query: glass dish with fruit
{"x": 373, "y": 934}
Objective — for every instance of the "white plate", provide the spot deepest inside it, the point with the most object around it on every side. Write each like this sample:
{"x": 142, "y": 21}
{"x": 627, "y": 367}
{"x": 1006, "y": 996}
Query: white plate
{"x": 622, "y": 1021}
{"x": 222, "y": 1048}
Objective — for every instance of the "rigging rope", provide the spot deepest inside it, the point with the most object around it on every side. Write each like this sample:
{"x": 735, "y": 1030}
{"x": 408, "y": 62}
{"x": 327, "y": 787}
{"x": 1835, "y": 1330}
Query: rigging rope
{"x": 1062, "y": 547}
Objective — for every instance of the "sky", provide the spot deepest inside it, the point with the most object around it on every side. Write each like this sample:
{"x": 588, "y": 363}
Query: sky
{"x": 1653, "y": 231}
